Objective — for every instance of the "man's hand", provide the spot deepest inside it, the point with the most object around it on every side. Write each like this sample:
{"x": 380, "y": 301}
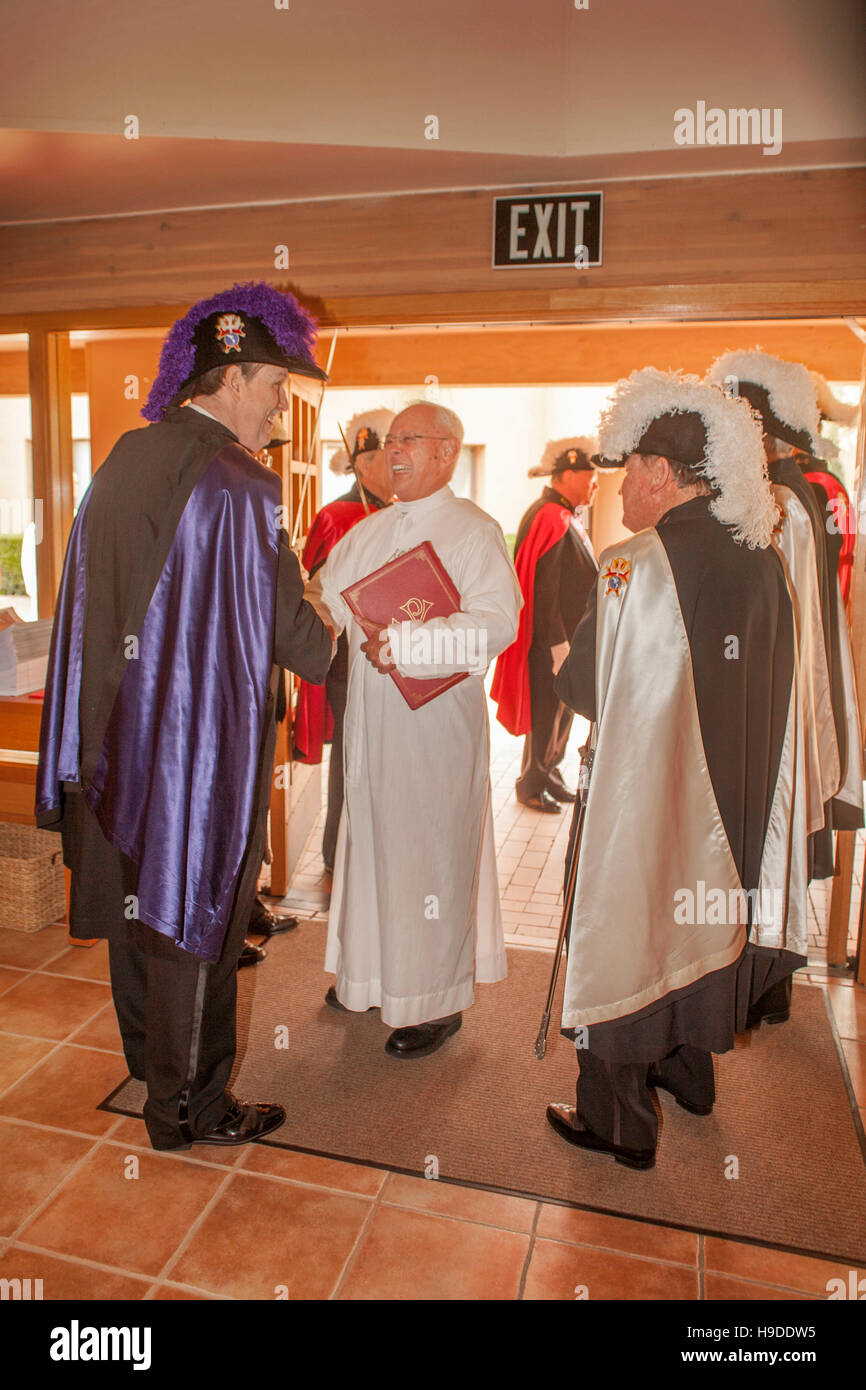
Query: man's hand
{"x": 377, "y": 649}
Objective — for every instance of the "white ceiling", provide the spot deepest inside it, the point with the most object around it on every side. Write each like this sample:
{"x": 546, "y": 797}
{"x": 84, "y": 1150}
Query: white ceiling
{"x": 335, "y": 94}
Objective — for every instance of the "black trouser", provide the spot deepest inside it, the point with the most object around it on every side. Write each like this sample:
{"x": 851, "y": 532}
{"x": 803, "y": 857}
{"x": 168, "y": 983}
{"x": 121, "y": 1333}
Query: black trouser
{"x": 544, "y": 747}
{"x": 177, "y": 1021}
{"x": 336, "y": 693}
{"x": 614, "y": 1101}
{"x": 177, "y": 1017}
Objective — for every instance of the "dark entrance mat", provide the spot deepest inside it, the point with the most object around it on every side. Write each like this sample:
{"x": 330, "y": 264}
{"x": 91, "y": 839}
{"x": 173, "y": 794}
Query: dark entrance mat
{"x": 783, "y": 1119}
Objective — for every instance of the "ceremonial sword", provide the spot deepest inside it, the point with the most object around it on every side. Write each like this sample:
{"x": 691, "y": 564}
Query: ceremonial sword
{"x": 306, "y": 478}
{"x": 357, "y": 478}
{"x": 587, "y": 753}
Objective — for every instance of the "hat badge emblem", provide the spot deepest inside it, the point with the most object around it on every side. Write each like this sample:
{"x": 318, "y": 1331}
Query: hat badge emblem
{"x": 361, "y": 441}
{"x": 229, "y": 331}
{"x": 617, "y": 574}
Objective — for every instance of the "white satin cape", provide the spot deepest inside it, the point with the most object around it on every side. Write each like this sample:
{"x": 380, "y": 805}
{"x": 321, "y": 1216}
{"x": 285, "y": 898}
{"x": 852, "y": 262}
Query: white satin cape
{"x": 652, "y": 824}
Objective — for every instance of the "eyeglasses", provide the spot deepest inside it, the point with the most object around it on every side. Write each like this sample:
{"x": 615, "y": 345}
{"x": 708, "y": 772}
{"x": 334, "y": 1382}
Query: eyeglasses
{"x": 408, "y": 441}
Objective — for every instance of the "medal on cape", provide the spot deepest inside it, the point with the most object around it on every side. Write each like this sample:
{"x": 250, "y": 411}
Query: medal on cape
{"x": 229, "y": 331}
{"x": 617, "y": 575}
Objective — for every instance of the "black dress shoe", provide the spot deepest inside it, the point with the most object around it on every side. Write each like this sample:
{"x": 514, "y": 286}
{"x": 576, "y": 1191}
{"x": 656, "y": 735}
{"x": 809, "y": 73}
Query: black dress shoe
{"x": 756, "y": 1018}
{"x": 655, "y": 1082}
{"x": 559, "y": 791}
{"x": 333, "y": 1003}
{"x": 542, "y": 801}
{"x": 243, "y": 1122}
{"x": 423, "y": 1038}
{"x": 251, "y": 955}
{"x": 562, "y": 1118}
{"x": 265, "y": 923}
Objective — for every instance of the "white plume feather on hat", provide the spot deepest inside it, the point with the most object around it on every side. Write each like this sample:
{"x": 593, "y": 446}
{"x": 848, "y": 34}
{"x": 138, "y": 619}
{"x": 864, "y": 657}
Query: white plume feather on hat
{"x": 556, "y": 448}
{"x": 378, "y": 420}
{"x": 789, "y": 386}
{"x": 735, "y": 462}
{"x": 829, "y": 407}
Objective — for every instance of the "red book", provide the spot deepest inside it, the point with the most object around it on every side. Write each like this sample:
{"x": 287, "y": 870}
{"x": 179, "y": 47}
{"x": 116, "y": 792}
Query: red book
{"x": 413, "y": 587}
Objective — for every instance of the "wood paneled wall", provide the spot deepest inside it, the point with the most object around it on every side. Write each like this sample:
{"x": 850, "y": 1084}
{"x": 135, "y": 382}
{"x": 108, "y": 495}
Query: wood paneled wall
{"x": 735, "y": 246}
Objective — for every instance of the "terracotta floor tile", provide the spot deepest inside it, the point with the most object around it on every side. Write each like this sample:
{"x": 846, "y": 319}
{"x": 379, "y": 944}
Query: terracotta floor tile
{"x": 18, "y": 1055}
{"x": 849, "y": 1008}
{"x": 262, "y": 1235}
{"x": 556, "y": 1271}
{"x": 46, "y": 1006}
{"x": 101, "y": 1031}
{"x": 411, "y": 1255}
{"x": 132, "y": 1223}
{"x": 64, "y": 1279}
{"x": 466, "y": 1203}
{"x": 855, "y": 1056}
{"x": 722, "y": 1286}
{"x": 32, "y": 949}
{"x": 618, "y": 1233}
{"x": 65, "y": 1090}
{"x": 33, "y": 1162}
{"x": 9, "y": 977}
{"x": 801, "y": 1272}
{"x": 310, "y": 1168}
{"x": 87, "y": 963}
{"x": 133, "y": 1132}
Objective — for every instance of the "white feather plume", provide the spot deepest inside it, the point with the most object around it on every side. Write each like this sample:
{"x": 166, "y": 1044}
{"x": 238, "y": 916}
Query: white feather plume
{"x": 556, "y": 447}
{"x": 829, "y": 407}
{"x": 735, "y": 461}
{"x": 789, "y": 386}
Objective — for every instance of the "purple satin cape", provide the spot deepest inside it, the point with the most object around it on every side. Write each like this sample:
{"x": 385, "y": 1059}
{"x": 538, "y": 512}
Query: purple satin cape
{"x": 174, "y": 787}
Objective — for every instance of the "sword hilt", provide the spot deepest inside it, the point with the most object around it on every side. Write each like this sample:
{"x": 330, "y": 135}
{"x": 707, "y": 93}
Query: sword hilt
{"x": 541, "y": 1040}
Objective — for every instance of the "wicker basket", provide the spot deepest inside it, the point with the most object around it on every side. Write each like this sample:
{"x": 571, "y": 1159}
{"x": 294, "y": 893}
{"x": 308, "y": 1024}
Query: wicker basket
{"x": 32, "y": 886}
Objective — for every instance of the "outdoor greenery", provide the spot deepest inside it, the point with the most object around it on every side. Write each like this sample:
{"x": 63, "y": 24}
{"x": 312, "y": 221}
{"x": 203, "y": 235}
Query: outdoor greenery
{"x": 11, "y": 581}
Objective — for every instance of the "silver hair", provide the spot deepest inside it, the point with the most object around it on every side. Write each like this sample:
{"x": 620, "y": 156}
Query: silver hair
{"x": 444, "y": 419}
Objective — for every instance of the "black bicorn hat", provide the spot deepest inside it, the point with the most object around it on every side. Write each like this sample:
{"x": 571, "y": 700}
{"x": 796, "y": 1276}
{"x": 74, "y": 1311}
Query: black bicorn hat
{"x": 249, "y": 323}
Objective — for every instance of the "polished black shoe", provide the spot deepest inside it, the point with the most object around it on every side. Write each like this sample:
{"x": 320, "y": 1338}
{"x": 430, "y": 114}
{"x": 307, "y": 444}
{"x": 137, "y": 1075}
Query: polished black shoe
{"x": 756, "y": 1018}
{"x": 265, "y": 923}
{"x": 562, "y": 1118}
{"x": 542, "y": 801}
{"x": 333, "y": 1003}
{"x": 243, "y": 1122}
{"x": 251, "y": 955}
{"x": 559, "y": 791}
{"x": 423, "y": 1038}
{"x": 655, "y": 1082}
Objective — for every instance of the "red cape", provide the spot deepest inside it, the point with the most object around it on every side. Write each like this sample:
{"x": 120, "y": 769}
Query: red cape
{"x": 510, "y": 688}
{"x": 841, "y": 514}
{"x": 314, "y": 722}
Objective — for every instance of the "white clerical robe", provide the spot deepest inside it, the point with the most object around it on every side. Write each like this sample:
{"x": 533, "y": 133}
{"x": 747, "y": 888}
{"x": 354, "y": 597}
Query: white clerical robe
{"x": 415, "y": 914}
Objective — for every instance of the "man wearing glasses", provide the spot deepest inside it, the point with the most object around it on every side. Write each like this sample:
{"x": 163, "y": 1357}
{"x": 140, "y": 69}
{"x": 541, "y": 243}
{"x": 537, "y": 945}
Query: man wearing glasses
{"x": 415, "y": 916}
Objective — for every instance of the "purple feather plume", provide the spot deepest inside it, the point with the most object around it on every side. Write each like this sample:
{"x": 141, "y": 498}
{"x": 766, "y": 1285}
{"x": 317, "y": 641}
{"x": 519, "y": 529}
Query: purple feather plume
{"x": 290, "y": 325}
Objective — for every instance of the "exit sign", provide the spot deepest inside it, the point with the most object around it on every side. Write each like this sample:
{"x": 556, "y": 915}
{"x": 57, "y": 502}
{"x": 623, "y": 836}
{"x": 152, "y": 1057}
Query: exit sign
{"x": 558, "y": 229}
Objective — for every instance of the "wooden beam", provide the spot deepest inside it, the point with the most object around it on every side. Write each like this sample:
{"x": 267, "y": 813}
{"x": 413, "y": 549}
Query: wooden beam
{"x": 593, "y": 354}
{"x": 51, "y": 410}
{"x": 686, "y": 247}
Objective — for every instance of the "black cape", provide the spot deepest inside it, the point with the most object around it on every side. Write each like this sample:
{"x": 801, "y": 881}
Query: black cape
{"x": 146, "y": 478}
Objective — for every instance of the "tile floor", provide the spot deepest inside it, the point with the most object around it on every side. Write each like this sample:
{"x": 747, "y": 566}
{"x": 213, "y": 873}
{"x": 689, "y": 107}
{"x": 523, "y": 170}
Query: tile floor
{"x": 87, "y": 1206}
